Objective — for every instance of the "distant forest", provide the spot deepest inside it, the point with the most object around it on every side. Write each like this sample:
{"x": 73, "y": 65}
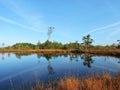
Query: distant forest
{"x": 87, "y": 43}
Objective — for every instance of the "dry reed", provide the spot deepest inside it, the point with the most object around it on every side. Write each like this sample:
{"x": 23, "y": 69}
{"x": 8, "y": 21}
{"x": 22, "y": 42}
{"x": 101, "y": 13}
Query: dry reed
{"x": 105, "y": 82}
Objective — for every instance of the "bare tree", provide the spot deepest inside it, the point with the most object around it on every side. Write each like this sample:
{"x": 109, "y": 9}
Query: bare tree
{"x": 50, "y": 30}
{"x": 38, "y": 44}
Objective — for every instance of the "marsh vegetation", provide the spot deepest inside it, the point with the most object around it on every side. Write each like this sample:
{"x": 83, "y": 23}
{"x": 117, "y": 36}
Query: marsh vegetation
{"x": 97, "y": 82}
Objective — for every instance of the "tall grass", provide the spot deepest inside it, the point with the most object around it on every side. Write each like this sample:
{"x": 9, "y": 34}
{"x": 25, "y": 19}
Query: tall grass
{"x": 105, "y": 82}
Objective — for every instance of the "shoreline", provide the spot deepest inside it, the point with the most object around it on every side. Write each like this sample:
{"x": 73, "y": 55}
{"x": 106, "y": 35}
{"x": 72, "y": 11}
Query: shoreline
{"x": 104, "y": 52}
{"x": 37, "y": 51}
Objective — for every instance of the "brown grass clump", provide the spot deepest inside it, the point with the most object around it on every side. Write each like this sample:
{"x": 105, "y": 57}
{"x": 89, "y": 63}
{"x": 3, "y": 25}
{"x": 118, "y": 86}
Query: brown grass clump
{"x": 71, "y": 83}
{"x": 105, "y": 82}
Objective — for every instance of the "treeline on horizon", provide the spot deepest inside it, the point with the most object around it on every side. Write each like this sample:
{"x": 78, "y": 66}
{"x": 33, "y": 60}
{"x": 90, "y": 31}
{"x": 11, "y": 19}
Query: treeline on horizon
{"x": 57, "y": 45}
{"x": 46, "y": 45}
{"x": 87, "y": 43}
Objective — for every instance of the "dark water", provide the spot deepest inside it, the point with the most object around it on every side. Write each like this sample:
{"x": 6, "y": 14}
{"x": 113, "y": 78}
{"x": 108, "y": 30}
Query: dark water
{"x": 23, "y": 70}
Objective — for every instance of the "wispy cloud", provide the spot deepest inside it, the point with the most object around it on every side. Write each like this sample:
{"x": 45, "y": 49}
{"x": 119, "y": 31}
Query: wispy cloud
{"x": 25, "y": 14}
{"x": 107, "y": 32}
{"x": 18, "y": 24}
{"x": 103, "y": 28}
{"x": 113, "y": 33}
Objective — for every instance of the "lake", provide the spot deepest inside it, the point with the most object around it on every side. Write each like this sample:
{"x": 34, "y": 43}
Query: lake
{"x": 22, "y": 70}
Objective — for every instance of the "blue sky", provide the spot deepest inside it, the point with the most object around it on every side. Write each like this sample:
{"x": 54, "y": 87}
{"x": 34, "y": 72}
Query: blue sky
{"x": 28, "y": 20}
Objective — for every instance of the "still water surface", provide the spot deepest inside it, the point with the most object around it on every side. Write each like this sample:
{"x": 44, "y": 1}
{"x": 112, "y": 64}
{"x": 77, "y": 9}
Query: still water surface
{"x": 19, "y": 70}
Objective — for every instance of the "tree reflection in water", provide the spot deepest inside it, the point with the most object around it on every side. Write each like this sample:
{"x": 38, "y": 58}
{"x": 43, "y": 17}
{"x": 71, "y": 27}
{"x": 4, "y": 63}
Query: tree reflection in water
{"x": 39, "y": 56}
{"x": 19, "y": 55}
{"x": 9, "y": 54}
{"x": 87, "y": 60}
{"x": 86, "y": 57}
{"x": 119, "y": 61}
{"x": 3, "y": 56}
{"x": 50, "y": 68}
{"x": 74, "y": 57}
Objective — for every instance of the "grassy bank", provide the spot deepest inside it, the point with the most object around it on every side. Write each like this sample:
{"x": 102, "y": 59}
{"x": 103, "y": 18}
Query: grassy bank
{"x": 36, "y": 51}
{"x": 105, "y": 82}
{"x": 109, "y": 52}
